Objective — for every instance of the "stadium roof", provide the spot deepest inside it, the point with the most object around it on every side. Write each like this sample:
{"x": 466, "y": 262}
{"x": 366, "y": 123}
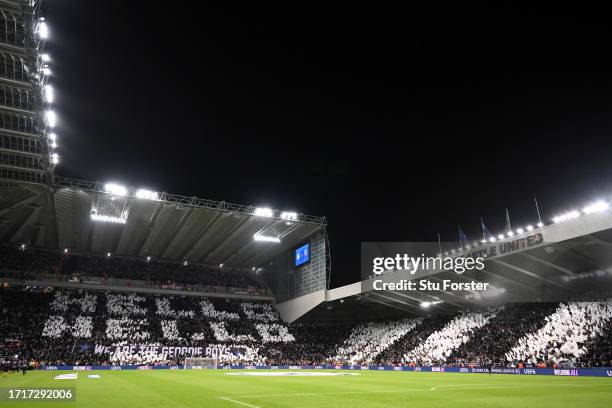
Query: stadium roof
{"x": 573, "y": 259}
{"x": 101, "y": 218}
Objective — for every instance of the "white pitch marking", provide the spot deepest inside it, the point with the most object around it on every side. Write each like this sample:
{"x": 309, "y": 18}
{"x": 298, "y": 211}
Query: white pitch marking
{"x": 239, "y": 402}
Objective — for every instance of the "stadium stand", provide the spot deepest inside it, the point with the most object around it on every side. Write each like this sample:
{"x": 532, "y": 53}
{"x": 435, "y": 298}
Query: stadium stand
{"x": 53, "y": 326}
{"x": 366, "y": 341}
{"x": 394, "y": 354}
{"x": 26, "y": 263}
{"x": 489, "y": 343}
{"x": 565, "y": 334}
{"x": 439, "y": 345}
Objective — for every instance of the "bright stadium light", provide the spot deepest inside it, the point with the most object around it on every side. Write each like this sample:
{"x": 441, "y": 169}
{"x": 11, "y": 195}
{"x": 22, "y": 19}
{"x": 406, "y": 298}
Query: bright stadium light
{"x": 147, "y": 194}
{"x": 529, "y": 228}
{"x": 108, "y": 218}
{"x": 289, "y": 216}
{"x": 263, "y": 212}
{"x": 148, "y": 259}
{"x": 51, "y": 118}
{"x": 53, "y": 136}
{"x": 108, "y": 254}
{"x": 46, "y": 70}
{"x": 520, "y": 231}
{"x": 53, "y": 144}
{"x": 266, "y": 238}
{"x": 510, "y": 234}
{"x": 540, "y": 224}
{"x": 596, "y": 207}
{"x": 425, "y": 305}
{"x": 492, "y": 239}
{"x": 484, "y": 241}
{"x": 55, "y": 158}
{"x": 115, "y": 189}
{"x": 500, "y": 236}
{"x": 48, "y": 91}
{"x": 43, "y": 30}
{"x": 45, "y": 57}
{"x": 567, "y": 216}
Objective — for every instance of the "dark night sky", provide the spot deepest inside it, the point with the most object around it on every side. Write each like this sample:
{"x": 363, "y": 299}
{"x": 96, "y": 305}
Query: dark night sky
{"x": 395, "y": 124}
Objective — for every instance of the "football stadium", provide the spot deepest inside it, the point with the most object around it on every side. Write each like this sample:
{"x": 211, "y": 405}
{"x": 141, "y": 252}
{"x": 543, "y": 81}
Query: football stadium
{"x": 115, "y": 295}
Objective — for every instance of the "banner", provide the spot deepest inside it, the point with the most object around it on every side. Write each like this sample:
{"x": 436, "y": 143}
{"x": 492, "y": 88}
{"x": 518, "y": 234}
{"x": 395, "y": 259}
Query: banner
{"x": 158, "y": 352}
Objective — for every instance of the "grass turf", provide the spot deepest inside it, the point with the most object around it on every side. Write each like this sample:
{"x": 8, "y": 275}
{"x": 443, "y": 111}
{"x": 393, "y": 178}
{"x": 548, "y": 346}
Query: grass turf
{"x": 214, "y": 388}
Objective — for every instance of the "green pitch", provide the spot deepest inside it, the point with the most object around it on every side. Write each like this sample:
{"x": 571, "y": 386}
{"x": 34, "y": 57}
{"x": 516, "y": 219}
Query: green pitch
{"x": 214, "y": 388}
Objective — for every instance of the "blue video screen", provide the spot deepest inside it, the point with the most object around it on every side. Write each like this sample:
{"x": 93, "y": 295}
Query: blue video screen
{"x": 302, "y": 254}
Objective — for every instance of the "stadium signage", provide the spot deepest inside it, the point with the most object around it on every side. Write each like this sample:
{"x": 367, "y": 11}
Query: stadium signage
{"x": 152, "y": 350}
{"x": 591, "y": 372}
{"x": 508, "y": 247}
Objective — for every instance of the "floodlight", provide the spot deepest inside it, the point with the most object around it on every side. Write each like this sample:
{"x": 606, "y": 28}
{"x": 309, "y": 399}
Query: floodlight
{"x": 147, "y": 194}
{"x": 220, "y": 265}
{"x": 596, "y": 207}
{"x": 43, "y": 30}
{"x": 51, "y": 118}
{"x": 55, "y": 158}
{"x": 510, "y": 233}
{"x": 529, "y": 228}
{"x": 185, "y": 263}
{"x": 290, "y": 216}
{"x": 108, "y": 218}
{"x": 266, "y": 238}
{"x": 65, "y": 250}
{"x": 45, "y": 57}
{"x": 148, "y": 258}
{"x": 425, "y": 305}
{"x": 567, "y": 216}
{"x": 53, "y": 144}
{"x": 492, "y": 239}
{"x": 115, "y": 189}
{"x": 484, "y": 241}
{"x": 263, "y": 212}
{"x": 52, "y": 136}
{"x": 108, "y": 254}
{"x": 46, "y": 70}
{"x": 520, "y": 231}
{"x": 540, "y": 224}
{"x": 500, "y": 236}
{"x": 48, "y": 92}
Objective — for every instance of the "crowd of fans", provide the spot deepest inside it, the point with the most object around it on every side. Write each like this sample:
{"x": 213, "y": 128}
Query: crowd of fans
{"x": 369, "y": 340}
{"x": 440, "y": 344}
{"x": 27, "y": 263}
{"x": 78, "y": 327}
{"x": 565, "y": 335}
{"x": 489, "y": 343}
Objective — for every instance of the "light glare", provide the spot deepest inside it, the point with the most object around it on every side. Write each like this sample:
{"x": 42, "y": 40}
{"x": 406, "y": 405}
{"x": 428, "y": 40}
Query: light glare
{"x": 263, "y": 212}
{"x": 147, "y": 194}
{"x": 51, "y": 118}
{"x": 596, "y": 207}
{"x": 43, "y": 30}
{"x": 266, "y": 238}
{"x": 115, "y": 189}
{"x": 108, "y": 218}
